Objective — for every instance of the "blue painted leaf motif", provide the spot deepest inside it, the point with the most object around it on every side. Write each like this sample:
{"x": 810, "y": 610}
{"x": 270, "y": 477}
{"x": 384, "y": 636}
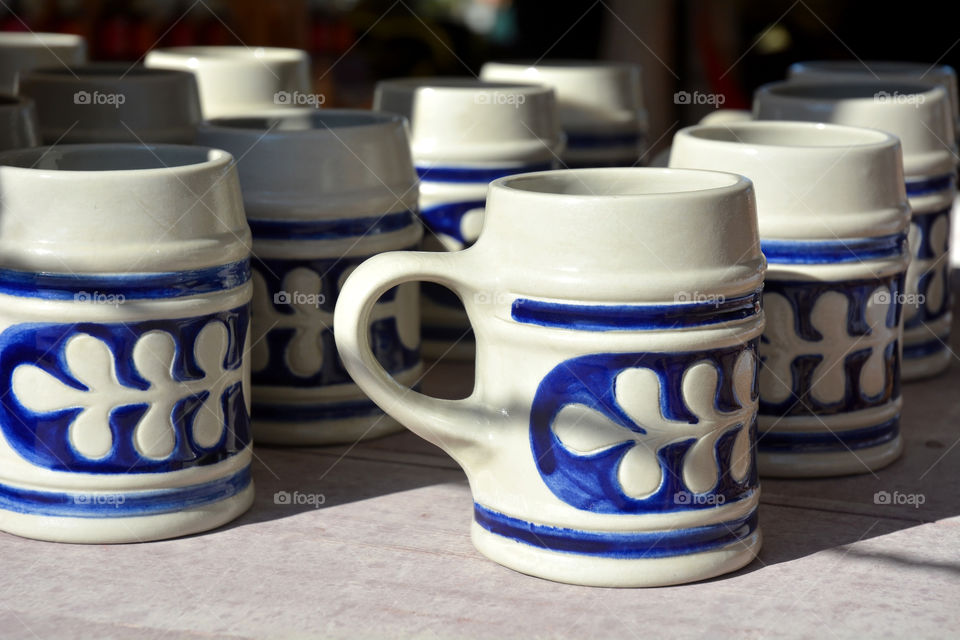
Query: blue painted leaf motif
{"x": 611, "y": 437}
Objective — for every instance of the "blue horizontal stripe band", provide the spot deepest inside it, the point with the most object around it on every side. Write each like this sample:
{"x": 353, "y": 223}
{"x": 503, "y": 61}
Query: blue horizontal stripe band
{"x": 121, "y": 504}
{"x": 475, "y": 174}
{"x": 133, "y": 286}
{"x": 624, "y": 545}
{"x": 446, "y": 218}
{"x": 330, "y": 229}
{"x": 834, "y": 251}
{"x": 820, "y": 442}
{"x": 601, "y": 140}
{"x": 923, "y": 349}
{"x": 634, "y": 317}
{"x": 925, "y": 186}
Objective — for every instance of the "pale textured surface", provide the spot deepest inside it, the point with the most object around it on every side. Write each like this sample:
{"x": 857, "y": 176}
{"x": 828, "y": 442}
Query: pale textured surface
{"x": 388, "y": 555}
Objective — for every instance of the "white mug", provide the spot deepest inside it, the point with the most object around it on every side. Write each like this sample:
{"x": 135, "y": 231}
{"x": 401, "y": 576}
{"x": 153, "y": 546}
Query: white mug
{"x": 463, "y": 134}
{"x": 113, "y": 103}
{"x": 599, "y": 106}
{"x": 609, "y": 439}
{"x": 323, "y": 191}
{"x": 240, "y": 80}
{"x": 18, "y": 123}
{"x": 920, "y": 115}
{"x": 124, "y": 278}
{"x": 833, "y": 217}
{"x": 20, "y": 52}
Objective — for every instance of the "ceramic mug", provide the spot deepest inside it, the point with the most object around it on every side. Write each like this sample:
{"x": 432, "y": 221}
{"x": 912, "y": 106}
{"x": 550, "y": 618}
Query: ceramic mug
{"x": 113, "y": 103}
{"x": 18, "y": 123}
{"x": 920, "y": 116}
{"x": 609, "y": 438}
{"x": 839, "y": 71}
{"x": 833, "y": 219}
{"x": 465, "y": 133}
{"x": 23, "y": 51}
{"x": 323, "y": 191}
{"x": 241, "y": 80}
{"x": 124, "y": 276}
{"x": 599, "y": 106}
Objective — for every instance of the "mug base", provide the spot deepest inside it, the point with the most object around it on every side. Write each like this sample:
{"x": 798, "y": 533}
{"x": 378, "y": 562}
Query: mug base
{"x": 827, "y": 464}
{"x": 119, "y": 530}
{"x": 324, "y": 432}
{"x": 592, "y": 571}
{"x": 926, "y": 366}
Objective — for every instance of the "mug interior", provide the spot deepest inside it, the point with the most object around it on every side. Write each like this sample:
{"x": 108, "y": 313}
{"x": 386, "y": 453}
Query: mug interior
{"x": 110, "y": 157}
{"x": 613, "y": 183}
{"x": 845, "y": 91}
{"x": 790, "y": 134}
{"x": 308, "y": 120}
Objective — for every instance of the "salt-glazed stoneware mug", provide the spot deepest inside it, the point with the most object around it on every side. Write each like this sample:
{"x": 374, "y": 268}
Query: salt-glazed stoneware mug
{"x": 840, "y": 71}
{"x": 609, "y": 439}
{"x": 241, "y": 80}
{"x": 18, "y": 123}
{"x": 324, "y": 190}
{"x": 599, "y": 106}
{"x": 920, "y": 116}
{"x": 124, "y": 279}
{"x": 833, "y": 217}
{"x": 113, "y": 103}
{"x": 23, "y": 51}
{"x": 464, "y": 134}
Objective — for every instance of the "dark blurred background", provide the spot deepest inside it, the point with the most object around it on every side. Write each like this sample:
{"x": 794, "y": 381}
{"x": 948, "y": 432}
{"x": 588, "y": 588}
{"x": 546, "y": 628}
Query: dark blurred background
{"x": 726, "y": 47}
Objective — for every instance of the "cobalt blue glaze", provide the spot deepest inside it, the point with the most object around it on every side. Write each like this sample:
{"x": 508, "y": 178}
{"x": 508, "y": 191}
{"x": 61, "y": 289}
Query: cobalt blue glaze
{"x": 814, "y": 442}
{"x": 476, "y": 174}
{"x": 584, "y": 317}
{"x": 933, "y": 184}
{"x": 121, "y": 504}
{"x": 445, "y": 218}
{"x": 833, "y": 251}
{"x": 385, "y": 340}
{"x": 802, "y": 296}
{"x": 134, "y": 286}
{"x": 330, "y": 229}
{"x": 589, "y": 481}
{"x": 923, "y": 349}
{"x": 42, "y": 438}
{"x": 623, "y": 545}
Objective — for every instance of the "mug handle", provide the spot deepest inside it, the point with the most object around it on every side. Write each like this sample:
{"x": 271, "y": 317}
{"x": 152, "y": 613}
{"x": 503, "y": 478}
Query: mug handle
{"x": 440, "y": 421}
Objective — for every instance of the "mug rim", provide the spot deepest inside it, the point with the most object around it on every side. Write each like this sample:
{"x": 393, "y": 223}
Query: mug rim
{"x": 229, "y": 54}
{"x": 39, "y": 39}
{"x": 456, "y": 84}
{"x": 835, "y": 136}
{"x": 722, "y": 182}
{"x": 208, "y": 158}
{"x": 801, "y": 90}
{"x": 236, "y": 124}
{"x": 846, "y": 65}
{"x": 563, "y": 64}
